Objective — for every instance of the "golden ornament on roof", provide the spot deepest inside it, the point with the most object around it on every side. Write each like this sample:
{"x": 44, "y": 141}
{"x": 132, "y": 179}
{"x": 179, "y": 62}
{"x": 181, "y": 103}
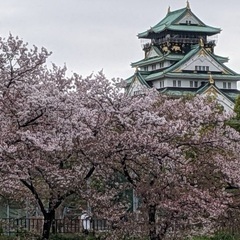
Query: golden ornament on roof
{"x": 211, "y": 80}
{"x": 201, "y": 43}
{"x": 169, "y": 10}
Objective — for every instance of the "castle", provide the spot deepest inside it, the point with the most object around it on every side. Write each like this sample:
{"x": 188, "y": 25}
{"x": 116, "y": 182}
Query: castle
{"x": 179, "y": 59}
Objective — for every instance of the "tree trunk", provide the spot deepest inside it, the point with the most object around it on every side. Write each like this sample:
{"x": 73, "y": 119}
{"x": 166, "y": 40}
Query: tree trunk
{"x": 152, "y": 223}
{"x": 48, "y": 223}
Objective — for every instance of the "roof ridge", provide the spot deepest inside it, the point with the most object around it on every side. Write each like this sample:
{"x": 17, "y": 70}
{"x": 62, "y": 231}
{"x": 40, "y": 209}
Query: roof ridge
{"x": 169, "y": 14}
{"x": 177, "y": 10}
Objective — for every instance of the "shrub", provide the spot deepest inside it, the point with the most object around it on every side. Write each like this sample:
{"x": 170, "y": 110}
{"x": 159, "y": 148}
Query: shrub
{"x": 224, "y": 236}
{"x": 71, "y": 237}
{"x": 200, "y": 238}
{"x": 218, "y": 236}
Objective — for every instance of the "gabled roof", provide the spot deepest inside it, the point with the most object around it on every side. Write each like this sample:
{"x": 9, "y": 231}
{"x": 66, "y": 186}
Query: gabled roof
{"x": 231, "y": 94}
{"x": 211, "y": 87}
{"x": 172, "y": 21}
{"x": 139, "y": 77}
{"x": 135, "y": 81}
{"x": 176, "y": 70}
{"x": 175, "y": 91}
{"x": 223, "y": 98}
{"x": 208, "y": 55}
{"x": 147, "y": 61}
{"x": 155, "y": 50}
{"x": 221, "y": 59}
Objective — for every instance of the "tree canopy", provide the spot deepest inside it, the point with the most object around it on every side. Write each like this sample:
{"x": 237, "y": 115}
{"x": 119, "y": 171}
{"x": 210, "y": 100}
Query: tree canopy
{"x": 62, "y": 136}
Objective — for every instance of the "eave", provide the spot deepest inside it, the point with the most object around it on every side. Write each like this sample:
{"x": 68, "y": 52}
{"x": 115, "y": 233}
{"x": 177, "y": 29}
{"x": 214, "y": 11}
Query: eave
{"x": 200, "y": 76}
{"x": 169, "y": 23}
{"x": 170, "y": 57}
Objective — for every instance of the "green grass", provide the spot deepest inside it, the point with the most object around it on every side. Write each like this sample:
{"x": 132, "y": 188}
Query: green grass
{"x": 71, "y": 237}
{"x": 218, "y": 236}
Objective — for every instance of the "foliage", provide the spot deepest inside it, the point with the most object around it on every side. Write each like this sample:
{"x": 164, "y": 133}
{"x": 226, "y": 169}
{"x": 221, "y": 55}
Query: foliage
{"x": 21, "y": 237}
{"x": 199, "y": 238}
{"x": 63, "y": 137}
{"x": 2, "y": 237}
{"x": 224, "y": 236}
{"x": 69, "y": 237}
{"x": 237, "y": 108}
{"x": 218, "y": 236}
{"x": 234, "y": 122}
{"x": 40, "y": 124}
{"x": 170, "y": 152}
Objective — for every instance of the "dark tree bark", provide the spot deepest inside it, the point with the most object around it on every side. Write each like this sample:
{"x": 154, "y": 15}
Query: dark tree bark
{"x": 48, "y": 223}
{"x": 152, "y": 223}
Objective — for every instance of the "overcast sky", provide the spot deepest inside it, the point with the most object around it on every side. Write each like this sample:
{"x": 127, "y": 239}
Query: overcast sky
{"x": 90, "y": 35}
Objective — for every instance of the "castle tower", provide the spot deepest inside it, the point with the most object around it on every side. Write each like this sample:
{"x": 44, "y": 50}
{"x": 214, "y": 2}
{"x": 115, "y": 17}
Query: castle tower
{"x": 179, "y": 57}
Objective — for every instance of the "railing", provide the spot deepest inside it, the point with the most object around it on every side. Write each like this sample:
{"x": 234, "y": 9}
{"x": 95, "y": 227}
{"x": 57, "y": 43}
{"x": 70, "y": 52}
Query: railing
{"x": 177, "y": 40}
{"x": 11, "y": 226}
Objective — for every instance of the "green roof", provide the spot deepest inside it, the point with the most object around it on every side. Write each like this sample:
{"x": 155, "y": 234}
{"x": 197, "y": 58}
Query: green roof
{"x": 141, "y": 78}
{"x": 169, "y": 71}
{"x": 231, "y": 94}
{"x": 181, "y": 75}
{"x": 178, "y": 91}
{"x": 170, "y": 23}
{"x": 192, "y": 28}
{"x": 169, "y": 56}
{"x": 129, "y": 80}
{"x": 221, "y": 59}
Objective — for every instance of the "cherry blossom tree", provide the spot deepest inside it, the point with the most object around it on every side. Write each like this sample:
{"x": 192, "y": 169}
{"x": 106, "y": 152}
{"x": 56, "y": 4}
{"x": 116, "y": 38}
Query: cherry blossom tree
{"x": 168, "y": 151}
{"x": 231, "y": 174}
{"x": 40, "y": 126}
{"x": 62, "y": 136}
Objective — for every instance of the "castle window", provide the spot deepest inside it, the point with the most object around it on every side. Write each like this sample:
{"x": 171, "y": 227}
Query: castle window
{"x": 174, "y": 83}
{"x": 227, "y": 85}
{"x": 179, "y": 83}
{"x": 154, "y": 67}
{"x": 137, "y": 92}
{"x": 202, "y": 68}
{"x": 194, "y": 84}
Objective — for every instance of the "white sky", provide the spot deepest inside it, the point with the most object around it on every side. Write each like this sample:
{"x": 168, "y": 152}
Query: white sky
{"x": 90, "y": 35}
